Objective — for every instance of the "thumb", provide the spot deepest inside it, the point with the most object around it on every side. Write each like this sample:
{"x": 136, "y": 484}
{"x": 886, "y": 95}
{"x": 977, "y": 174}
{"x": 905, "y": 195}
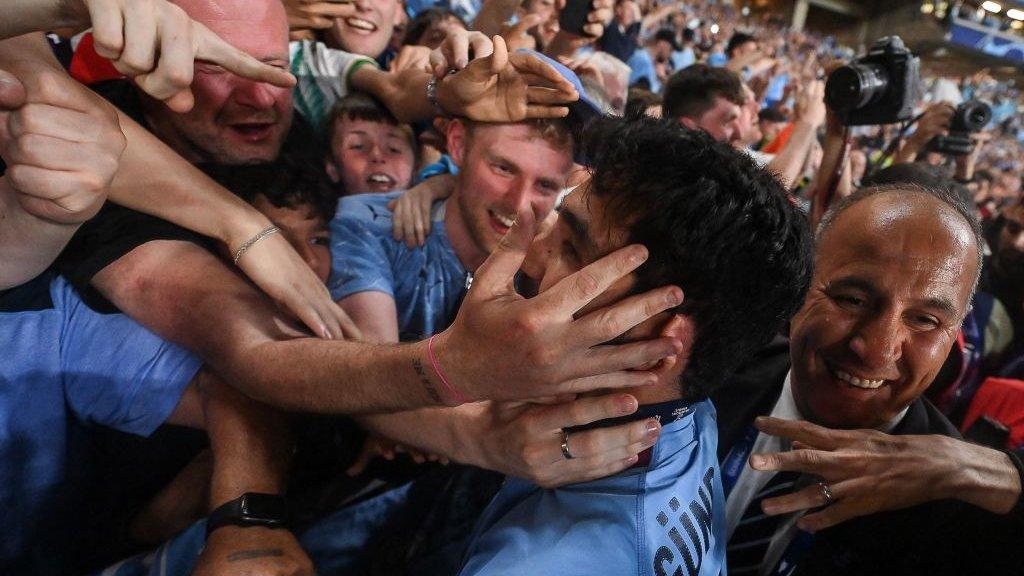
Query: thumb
{"x": 12, "y": 92}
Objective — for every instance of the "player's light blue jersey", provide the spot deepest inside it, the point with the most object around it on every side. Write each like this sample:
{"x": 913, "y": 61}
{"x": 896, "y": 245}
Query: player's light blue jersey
{"x": 667, "y": 518}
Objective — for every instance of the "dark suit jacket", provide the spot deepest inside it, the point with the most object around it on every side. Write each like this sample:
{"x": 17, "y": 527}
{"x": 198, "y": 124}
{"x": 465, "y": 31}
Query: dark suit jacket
{"x": 942, "y": 537}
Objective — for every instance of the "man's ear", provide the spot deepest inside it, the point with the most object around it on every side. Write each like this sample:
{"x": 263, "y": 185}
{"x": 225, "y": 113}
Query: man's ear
{"x": 689, "y": 123}
{"x": 682, "y": 328}
{"x": 457, "y": 140}
{"x": 332, "y": 171}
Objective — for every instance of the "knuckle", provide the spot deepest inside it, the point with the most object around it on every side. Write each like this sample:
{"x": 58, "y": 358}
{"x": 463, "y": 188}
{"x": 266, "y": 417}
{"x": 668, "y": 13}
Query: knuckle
{"x": 48, "y": 86}
{"x": 586, "y": 284}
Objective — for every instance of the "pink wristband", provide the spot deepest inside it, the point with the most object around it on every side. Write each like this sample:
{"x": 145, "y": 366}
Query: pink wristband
{"x": 455, "y": 394}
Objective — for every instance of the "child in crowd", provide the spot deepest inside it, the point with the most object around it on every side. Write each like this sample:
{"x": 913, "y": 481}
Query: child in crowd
{"x": 369, "y": 150}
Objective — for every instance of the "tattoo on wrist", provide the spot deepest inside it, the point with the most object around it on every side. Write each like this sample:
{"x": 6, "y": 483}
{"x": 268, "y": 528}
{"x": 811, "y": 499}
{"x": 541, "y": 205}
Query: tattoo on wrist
{"x": 417, "y": 365}
{"x": 253, "y": 554}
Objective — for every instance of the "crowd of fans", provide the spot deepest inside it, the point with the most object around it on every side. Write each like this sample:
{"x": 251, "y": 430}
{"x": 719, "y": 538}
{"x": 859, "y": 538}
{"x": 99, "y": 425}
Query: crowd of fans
{"x": 496, "y": 287}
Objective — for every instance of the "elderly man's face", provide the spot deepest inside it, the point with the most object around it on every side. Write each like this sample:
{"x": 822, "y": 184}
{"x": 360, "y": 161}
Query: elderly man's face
{"x": 891, "y": 285}
{"x": 1010, "y": 248}
{"x": 234, "y": 120}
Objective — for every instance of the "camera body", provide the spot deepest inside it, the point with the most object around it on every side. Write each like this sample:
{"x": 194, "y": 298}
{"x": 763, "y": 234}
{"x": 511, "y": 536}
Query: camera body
{"x": 970, "y": 117}
{"x": 881, "y": 88}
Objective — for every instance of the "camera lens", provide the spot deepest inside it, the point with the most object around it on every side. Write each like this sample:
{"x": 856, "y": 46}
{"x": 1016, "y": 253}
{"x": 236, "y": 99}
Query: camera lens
{"x": 855, "y": 86}
{"x": 972, "y": 115}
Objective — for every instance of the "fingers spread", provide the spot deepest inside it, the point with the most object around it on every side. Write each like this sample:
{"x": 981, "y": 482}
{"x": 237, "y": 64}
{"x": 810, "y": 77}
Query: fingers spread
{"x": 574, "y": 292}
{"x": 802, "y": 431}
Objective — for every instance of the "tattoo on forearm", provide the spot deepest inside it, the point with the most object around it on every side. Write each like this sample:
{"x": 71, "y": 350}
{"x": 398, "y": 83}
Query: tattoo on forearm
{"x": 417, "y": 365}
{"x": 252, "y": 554}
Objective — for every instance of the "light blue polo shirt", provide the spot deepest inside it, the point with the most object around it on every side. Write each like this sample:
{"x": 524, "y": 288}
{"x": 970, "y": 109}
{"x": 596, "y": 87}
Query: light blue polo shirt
{"x": 667, "y": 518}
{"x": 66, "y": 368}
{"x": 427, "y": 282}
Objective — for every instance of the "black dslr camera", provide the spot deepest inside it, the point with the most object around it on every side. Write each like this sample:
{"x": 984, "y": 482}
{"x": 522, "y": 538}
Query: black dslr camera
{"x": 881, "y": 88}
{"x": 970, "y": 117}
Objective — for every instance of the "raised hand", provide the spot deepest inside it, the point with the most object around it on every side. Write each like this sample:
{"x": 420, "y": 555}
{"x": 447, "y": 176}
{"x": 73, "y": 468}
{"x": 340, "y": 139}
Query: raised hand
{"x": 506, "y": 87}
{"x": 61, "y": 150}
{"x": 525, "y": 440}
{"x": 279, "y": 271}
{"x": 868, "y": 471}
{"x": 316, "y": 14}
{"x": 505, "y": 347}
{"x": 155, "y": 43}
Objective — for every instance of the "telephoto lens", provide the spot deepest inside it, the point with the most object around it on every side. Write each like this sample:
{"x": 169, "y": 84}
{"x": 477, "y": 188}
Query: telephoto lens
{"x": 855, "y": 86}
{"x": 971, "y": 116}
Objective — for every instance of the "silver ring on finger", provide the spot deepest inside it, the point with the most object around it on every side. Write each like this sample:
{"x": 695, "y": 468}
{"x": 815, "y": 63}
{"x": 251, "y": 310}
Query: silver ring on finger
{"x": 565, "y": 446}
{"x": 826, "y": 493}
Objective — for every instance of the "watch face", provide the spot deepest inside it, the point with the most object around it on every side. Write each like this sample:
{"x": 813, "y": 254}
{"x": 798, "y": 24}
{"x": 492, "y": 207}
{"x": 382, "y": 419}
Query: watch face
{"x": 263, "y": 507}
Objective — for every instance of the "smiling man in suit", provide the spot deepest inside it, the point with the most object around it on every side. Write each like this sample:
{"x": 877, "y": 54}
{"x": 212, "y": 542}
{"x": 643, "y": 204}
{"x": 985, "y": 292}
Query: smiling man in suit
{"x": 895, "y": 268}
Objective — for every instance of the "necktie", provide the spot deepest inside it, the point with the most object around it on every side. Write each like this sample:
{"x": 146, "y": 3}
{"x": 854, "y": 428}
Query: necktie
{"x": 749, "y": 542}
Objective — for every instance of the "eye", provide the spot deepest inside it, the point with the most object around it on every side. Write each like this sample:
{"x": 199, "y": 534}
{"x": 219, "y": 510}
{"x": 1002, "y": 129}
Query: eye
{"x": 356, "y": 146}
{"x": 849, "y": 301}
{"x": 320, "y": 240}
{"x": 924, "y": 322}
{"x": 570, "y": 252}
{"x": 503, "y": 169}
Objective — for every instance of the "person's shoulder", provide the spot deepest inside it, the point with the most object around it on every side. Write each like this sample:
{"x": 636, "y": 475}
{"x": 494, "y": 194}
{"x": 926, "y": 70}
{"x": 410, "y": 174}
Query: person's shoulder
{"x": 366, "y": 212}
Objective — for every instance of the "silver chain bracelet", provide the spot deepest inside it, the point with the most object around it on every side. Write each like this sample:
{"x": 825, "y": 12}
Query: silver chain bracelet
{"x": 252, "y": 241}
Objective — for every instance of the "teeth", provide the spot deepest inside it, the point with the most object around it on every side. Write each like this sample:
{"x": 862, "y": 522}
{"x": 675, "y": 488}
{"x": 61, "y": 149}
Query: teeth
{"x": 858, "y": 382}
{"x": 379, "y": 179}
{"x": 505, "y": 220}
{"x": 361, "y": 24}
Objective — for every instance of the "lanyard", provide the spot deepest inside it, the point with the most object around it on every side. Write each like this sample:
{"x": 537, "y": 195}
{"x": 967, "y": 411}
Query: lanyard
{"x": 734, "y": 462}
{"x": 732, "y": 467}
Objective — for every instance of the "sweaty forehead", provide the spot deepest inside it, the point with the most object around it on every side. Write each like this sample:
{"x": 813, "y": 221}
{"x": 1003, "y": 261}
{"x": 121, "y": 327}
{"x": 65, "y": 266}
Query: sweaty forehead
{"x": 259, "y": 27}
{"x": 901, "y": 233}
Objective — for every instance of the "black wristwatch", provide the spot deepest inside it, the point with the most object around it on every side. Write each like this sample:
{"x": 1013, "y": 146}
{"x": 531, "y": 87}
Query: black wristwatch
{"x": 250, "y": 509}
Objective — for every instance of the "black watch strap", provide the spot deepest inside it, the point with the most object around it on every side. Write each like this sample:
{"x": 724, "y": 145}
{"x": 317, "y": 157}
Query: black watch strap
{"x": 250, "y": 509}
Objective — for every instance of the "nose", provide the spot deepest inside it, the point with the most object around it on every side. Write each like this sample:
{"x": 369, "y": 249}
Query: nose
{"x": 377, "y": 154}
{"x": 257, "y": 95}
{"x": 878, "y": 342}
{"x": 518, "y": 195}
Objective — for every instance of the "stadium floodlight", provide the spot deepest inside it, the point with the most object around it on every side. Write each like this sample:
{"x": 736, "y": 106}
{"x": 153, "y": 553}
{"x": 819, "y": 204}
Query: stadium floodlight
{"x": 993, "y": 7}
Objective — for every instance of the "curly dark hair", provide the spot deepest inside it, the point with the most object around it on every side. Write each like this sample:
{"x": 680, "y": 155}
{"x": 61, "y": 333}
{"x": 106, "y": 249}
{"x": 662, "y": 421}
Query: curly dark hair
{"x": 715, "y": 225}
{"x": 691, "y": 92}
{"x": 291, "y": 181}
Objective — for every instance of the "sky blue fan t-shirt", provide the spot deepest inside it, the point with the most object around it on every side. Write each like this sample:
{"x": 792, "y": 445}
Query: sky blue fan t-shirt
{"x": 66, "y": 368}
{"x": 667, "y": 518}
{"x": 427, "y": 282}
